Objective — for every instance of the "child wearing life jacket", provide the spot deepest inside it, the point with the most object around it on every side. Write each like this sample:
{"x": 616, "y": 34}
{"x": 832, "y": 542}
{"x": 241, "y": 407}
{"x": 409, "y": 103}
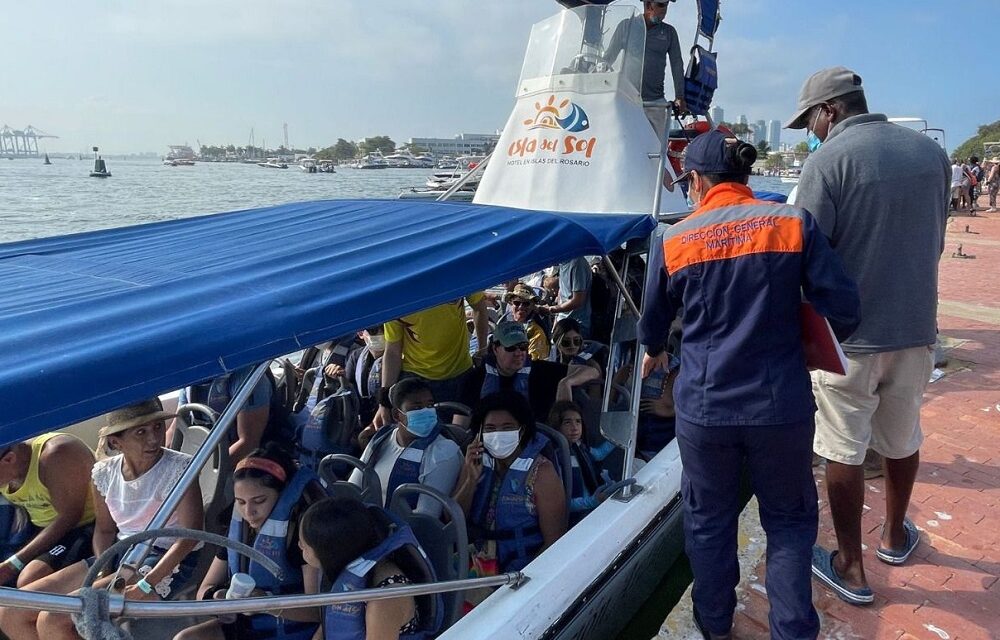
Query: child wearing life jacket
{"x": 358, "y": 546}
{"x": 271, "y": 494}
{"x": 588, "y": 486}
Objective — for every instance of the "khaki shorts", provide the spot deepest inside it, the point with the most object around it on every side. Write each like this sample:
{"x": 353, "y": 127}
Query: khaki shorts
{"x": 877, "y": 405}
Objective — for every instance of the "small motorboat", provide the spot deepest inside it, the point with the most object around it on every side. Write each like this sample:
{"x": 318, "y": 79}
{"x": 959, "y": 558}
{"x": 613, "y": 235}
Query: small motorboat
{"x": 273, "y": 163}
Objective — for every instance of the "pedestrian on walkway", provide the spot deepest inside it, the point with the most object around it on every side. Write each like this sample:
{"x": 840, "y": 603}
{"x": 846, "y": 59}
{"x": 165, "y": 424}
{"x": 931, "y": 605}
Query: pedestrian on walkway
{"x": 993, "y": 183}
{"x": 738, "y": 267}
{"x": 880, "y": 194}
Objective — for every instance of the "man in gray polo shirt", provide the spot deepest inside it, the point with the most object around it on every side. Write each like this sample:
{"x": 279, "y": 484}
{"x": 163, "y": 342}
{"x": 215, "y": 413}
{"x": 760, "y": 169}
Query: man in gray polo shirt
{"x": 661, "y": 42}
{"x": 880, "y": 193}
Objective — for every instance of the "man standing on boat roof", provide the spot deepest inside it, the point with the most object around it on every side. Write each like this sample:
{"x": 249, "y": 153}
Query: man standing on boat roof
{"x": 661, "y": 42}
{"x": 738, "y": 267}
{"x": 49, "y": 477}
{"x": 880, "y": 193}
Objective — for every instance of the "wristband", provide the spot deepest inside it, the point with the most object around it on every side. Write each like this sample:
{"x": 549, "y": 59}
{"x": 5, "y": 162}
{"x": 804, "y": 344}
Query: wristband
{"x": 144, "y": 586}
{"x": 15, "y": 562}
{"x": 654, "y": 350}
{"x": 383, "y": 397}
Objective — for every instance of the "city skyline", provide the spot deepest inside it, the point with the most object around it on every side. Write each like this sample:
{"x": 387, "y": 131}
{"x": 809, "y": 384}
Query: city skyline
{"x": 179, "y": 72}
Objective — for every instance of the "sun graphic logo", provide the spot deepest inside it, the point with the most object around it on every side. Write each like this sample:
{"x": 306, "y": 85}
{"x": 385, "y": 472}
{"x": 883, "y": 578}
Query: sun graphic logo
{"x": 549, "y": 116}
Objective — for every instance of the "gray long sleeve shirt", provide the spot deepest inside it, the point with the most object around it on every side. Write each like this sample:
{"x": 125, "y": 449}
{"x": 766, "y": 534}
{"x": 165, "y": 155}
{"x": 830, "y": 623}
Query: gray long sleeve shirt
{"x": 661, "y": 42}
{"x": 880, "y": 193}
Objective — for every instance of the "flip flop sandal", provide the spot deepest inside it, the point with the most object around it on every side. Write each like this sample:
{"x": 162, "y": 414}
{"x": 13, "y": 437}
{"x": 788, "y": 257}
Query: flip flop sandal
{"x": 822, "y": 568}
{"x": 893, "y": 557}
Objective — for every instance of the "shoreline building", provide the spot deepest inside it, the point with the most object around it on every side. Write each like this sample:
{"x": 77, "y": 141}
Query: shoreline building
{"x": 463, "y": 144}
{"x": 774, "y": 134}
{"x": 718, "y": 115}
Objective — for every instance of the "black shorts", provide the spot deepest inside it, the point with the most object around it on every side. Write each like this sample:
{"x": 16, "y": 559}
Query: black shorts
{"x": 73, "y": 547}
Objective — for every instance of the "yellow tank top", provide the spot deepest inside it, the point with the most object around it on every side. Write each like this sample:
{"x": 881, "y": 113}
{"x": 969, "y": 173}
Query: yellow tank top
{"x": 34, "y": 497}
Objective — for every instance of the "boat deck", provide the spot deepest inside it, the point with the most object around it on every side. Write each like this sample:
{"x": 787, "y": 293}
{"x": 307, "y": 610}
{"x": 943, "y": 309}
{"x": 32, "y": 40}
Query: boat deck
{"x": 950, "y": 589}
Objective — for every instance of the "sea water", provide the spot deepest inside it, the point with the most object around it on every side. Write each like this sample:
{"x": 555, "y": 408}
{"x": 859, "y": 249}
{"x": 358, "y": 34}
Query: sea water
{"x": 38, "y": 200}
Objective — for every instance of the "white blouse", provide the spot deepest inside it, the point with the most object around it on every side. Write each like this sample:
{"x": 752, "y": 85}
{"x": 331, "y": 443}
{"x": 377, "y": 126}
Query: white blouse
{"x": 133, "y": 503}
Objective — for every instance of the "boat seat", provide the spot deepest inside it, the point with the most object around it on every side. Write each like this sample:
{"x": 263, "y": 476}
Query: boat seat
{"x": 447, "y": 411}
{"x": 335, "y": 471}
{"x": 216, "y": 477}
{"x": 564, "y": 461}
{"x": 289, "y": 383}
{"x": 192, "y": 413}
{"x": 446, "y": 543}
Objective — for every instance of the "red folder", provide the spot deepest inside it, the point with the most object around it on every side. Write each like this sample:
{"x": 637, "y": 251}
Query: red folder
{"x": 820, "y": 344}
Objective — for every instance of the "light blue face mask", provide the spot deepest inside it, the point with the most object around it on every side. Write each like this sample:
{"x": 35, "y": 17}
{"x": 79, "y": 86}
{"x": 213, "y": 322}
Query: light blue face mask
{"x": 656, "y": 19}
{"x": 813, "y": 142}
{"x": 421, "y": 422}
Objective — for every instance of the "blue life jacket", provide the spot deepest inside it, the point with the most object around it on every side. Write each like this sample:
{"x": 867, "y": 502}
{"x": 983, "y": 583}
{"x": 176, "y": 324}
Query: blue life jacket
{"x": 701, "y": 80}
{"x": 272, "y": 541}
{"x": 347, "y": 621}
{"x": 408, "y": 464}
{"x": 518, "y": 536}
{"x": 368, "y": 386}
{"x": 491, "y": 381}
{"x": 328, "y": 429}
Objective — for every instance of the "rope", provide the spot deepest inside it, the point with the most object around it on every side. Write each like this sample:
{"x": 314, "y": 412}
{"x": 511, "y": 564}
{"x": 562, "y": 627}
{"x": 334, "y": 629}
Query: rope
{"x": 94, "y": 623}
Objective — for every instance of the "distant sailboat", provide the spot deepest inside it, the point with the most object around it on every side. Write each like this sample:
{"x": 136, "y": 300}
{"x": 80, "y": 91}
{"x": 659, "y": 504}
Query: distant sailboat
{"x": 47, "y": 161}
{"x": 100, "y": 168}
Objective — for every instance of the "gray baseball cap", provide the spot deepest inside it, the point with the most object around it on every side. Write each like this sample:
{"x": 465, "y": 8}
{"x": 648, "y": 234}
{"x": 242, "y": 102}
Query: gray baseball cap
{"x": 822, "y": 86}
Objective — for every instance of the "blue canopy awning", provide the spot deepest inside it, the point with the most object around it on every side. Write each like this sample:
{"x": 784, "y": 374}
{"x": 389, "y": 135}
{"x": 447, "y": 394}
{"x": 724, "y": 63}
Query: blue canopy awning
{"x": 94, "y": 321}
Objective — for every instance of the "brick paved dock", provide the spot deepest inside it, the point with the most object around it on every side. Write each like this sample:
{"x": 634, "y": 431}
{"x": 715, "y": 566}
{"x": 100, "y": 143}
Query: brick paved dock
{"x": 949, "y": 590}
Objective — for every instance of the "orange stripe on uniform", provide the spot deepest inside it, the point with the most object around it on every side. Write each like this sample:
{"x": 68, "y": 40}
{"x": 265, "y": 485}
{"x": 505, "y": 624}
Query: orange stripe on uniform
{"x": 763, "y": 234}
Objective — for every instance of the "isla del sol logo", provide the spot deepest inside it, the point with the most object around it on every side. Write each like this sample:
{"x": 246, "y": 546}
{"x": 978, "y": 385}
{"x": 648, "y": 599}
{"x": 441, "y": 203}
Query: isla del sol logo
{"x": 555, "y": 122}
{"x": 548, "y": 116}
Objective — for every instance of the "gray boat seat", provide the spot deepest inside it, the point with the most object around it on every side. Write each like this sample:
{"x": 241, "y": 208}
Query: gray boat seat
{"x": 565, "y": 461}
{"x": 370, "y": 490}
{"x": 445, "y": 543}
{"x": 190, "y": 414}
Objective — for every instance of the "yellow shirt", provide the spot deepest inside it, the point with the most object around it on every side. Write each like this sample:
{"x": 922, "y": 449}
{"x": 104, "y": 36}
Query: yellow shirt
{"x": 34, "y": 497}
{"x": 435, "y": 341}
{"x": 538, "y": 343}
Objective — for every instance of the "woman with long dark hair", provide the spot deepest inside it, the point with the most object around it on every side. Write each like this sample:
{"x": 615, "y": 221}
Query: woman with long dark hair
{"x": 359, "y": 547}
{"x": 512, "y": 495}
{"x": 271, "y": 494}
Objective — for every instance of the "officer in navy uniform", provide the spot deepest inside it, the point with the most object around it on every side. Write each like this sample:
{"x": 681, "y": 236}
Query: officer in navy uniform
{"x": 738, "y": 267}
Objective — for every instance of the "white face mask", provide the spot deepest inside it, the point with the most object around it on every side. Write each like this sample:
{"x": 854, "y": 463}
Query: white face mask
{"x": 500, "y": 444}
{"x": 375, "y": 342}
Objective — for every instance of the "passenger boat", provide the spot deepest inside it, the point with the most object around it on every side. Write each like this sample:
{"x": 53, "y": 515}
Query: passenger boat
{"x": 145, "y": 321}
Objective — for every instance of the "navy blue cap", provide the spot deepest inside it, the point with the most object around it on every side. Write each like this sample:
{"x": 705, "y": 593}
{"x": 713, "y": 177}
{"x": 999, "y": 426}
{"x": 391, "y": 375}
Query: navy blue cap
{"x": 707, "y": 154}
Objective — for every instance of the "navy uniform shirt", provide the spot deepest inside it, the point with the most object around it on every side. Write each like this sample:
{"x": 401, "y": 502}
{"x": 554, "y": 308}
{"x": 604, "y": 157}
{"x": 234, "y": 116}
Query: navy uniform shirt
{"x": 739, "y": 268}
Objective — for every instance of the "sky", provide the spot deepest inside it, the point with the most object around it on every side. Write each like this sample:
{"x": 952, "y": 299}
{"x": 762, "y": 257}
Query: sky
{"x": 138, "y": 75}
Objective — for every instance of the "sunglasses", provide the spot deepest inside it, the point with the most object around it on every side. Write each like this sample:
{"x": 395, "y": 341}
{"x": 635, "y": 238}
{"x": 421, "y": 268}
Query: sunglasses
{"x": 521, "y": 303}
{"x": 521, "y": 346}
{"x": 571, "y": 342}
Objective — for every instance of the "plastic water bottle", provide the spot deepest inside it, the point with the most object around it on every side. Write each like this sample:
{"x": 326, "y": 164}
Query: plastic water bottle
{"x": 241, "y": 586}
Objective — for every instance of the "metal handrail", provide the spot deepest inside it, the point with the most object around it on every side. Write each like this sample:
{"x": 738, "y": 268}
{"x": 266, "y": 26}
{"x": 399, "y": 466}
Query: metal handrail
{"x": 143, "y": 609}
{"x": 464, "y": 179}
{"x": 118, "y": 606}
{"x": 215, "y": 435}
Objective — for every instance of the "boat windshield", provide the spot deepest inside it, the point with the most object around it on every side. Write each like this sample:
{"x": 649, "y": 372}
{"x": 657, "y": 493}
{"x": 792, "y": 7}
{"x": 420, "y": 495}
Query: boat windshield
{"x": 589, "y": 49}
